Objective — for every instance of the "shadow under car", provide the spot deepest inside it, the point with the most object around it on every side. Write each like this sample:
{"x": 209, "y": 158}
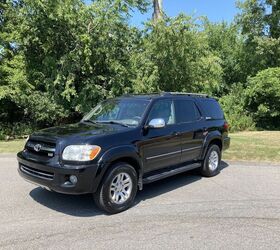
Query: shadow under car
{"x": 83, "y": 205}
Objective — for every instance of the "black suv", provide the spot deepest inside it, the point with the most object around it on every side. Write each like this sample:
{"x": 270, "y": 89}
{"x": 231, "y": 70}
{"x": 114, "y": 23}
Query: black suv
{"x": 126, "y": 142}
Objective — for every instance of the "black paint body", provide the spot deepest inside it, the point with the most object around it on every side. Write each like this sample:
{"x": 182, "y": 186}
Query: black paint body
{"x": 149, "y": 150}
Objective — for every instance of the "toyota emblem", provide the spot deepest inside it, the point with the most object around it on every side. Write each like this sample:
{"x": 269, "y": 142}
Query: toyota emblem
{"x": 37, "y": 147}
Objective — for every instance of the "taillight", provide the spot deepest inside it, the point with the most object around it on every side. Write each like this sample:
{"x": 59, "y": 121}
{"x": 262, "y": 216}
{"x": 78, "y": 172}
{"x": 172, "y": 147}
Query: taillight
{"x": 226, "y": 126}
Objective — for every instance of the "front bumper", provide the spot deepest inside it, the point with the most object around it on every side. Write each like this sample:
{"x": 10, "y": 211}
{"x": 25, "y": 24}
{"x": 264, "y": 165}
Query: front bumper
{"x": 57, "y": 178}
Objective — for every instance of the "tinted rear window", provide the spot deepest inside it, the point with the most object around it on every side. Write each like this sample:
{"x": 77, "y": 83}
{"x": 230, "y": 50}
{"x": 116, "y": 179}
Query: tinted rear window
{"x": 186, "y": 111}
{"x": 212, "y": 109}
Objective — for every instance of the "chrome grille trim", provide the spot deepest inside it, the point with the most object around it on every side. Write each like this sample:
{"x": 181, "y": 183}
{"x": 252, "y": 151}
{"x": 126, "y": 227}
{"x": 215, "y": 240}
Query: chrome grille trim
{"x": 36, "y": 173}
{"x": 46, "y": 148}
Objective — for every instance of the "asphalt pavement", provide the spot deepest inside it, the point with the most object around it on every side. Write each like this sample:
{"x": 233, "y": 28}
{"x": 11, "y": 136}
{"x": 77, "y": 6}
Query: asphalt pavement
{"x": 237, "y": 209}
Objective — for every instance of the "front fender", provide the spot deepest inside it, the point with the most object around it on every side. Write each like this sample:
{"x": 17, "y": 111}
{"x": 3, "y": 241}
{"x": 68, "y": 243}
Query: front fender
{"x": 113, "y": 154}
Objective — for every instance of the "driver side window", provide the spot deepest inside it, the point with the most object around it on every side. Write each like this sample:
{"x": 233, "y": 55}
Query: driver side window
{"x": 163, "y": 109}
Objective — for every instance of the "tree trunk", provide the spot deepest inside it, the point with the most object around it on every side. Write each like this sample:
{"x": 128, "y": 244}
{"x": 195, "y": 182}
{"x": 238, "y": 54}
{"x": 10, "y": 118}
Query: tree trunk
{"x": 157, "y": 15}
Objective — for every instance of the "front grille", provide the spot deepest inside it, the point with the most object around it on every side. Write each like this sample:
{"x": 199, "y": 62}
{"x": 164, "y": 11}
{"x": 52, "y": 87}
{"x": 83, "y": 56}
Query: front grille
{"x": 42, "y": 148}
{"x": 36, "y": 172}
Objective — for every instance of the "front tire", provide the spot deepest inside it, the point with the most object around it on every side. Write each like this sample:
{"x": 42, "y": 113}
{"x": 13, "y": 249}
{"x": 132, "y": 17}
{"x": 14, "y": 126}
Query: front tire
{"x": 212, "y": 160}
{"x": 118, "y": 189}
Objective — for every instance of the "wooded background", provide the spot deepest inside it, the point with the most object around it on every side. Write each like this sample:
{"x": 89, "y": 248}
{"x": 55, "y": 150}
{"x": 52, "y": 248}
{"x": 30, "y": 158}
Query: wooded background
{"x": 59, "y": 58}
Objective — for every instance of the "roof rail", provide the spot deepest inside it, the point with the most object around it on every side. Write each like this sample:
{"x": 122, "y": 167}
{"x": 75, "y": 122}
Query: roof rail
{"x": 188, "y": 94}
{"x": 144, "y": 94}
{"x": 167, "y": 94}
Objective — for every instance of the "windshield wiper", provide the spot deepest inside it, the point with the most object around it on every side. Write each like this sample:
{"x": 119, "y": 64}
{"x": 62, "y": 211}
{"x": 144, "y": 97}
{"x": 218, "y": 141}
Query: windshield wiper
{"x": 90, "y": 121}
{"x": 113, "y": 122}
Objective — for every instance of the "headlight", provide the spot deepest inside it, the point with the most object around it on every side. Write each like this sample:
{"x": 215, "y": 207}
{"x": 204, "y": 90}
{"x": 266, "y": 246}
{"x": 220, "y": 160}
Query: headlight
{"x": 80, "y": 152}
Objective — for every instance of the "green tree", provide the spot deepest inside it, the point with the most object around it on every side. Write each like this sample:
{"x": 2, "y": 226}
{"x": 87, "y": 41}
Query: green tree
{"x": 226, "y": 43}
{"x": 260, "y": 18}
{"x": 175, "y": 56}
{"x": 259, "y": 22}
{"x": 263, "y": 98}
{"x": 71, "y": 55}
{"x": 59, "y": 58}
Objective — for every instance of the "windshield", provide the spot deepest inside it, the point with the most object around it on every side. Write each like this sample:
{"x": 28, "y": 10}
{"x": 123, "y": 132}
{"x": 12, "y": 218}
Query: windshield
{"x": 125, "y": 112}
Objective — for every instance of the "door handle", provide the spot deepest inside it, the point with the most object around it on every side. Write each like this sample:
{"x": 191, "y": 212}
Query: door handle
{"x": 176, "y": 133}
{"x": 205, "y": 131}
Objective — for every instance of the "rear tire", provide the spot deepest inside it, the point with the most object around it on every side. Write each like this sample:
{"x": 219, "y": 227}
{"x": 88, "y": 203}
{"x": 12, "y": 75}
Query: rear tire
{"x": 118, "y": 189}
{"x": 212, "y": 160}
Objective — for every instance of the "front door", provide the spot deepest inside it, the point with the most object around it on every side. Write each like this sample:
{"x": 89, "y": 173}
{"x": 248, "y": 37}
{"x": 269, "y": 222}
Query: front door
{"x": 162, "y": 146}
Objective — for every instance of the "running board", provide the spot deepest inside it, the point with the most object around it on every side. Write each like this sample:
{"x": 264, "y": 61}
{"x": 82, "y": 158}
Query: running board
{"x": 169, "y": 173}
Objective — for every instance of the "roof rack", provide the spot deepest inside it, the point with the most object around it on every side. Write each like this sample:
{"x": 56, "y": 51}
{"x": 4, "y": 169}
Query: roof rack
{"x": 140, "y": 94}
{"x": 188, "y": 94}
{"x": 167, "y": 94}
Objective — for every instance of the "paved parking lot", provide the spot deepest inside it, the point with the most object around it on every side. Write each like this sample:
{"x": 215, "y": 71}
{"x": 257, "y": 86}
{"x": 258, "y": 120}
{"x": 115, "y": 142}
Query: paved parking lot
{"x": 239, "y": 208}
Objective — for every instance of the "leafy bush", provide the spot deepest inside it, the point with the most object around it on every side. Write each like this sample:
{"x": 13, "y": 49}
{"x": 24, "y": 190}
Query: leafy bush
{"x": 263, "y": 98}
{"x": 234, "y": 107}
{"x": 15, "y": 130}
{"x": 2, "y": 135}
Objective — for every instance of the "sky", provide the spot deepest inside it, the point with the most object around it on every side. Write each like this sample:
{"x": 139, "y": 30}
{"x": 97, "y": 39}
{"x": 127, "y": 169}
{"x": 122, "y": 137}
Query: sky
{"x": 215, "y": 10}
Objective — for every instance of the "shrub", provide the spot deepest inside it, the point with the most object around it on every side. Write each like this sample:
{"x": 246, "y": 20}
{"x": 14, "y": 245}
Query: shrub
{"x": 234, "y": 107}
{"x": 15, "y": 130}
{"x": 263, "y": 98}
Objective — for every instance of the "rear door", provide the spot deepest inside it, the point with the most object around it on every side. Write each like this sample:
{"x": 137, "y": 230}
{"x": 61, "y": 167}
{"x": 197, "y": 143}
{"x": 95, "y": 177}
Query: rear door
{"x": 190, "y": 127}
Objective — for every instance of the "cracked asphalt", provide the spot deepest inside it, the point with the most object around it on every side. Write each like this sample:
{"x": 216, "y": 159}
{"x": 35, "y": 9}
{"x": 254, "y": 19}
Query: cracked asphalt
{"x": 238, "y": 209}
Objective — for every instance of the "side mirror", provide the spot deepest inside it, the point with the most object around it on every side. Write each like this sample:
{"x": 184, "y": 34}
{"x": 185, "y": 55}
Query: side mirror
{"x": 157, "y": 123}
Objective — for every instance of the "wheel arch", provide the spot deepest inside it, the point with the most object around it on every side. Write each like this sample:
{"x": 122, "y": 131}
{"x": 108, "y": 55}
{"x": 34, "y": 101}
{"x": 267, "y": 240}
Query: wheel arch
{"x": 125, "y": 153}
{"x": 130, "y": 160}
{"x": 216, "y": 141}
{"x": 215, "y": 138}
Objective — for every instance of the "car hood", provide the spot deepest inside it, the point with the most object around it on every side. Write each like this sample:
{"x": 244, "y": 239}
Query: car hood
{"x": 80, "y": 129}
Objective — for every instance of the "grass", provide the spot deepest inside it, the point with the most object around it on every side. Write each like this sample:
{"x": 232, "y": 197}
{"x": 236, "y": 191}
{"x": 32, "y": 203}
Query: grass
{"x": 258, "y": 146}
{"x": 11, "y": 146}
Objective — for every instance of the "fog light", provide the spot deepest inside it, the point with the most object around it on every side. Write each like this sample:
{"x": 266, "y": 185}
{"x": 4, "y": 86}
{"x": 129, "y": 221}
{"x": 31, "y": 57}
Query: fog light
{"x": 73, "y": 179}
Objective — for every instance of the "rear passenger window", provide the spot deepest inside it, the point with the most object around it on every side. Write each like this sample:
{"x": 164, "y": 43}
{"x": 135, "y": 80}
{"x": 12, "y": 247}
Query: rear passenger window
{"x": 212, "y": 109}
{"x": 186, "y": 111}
